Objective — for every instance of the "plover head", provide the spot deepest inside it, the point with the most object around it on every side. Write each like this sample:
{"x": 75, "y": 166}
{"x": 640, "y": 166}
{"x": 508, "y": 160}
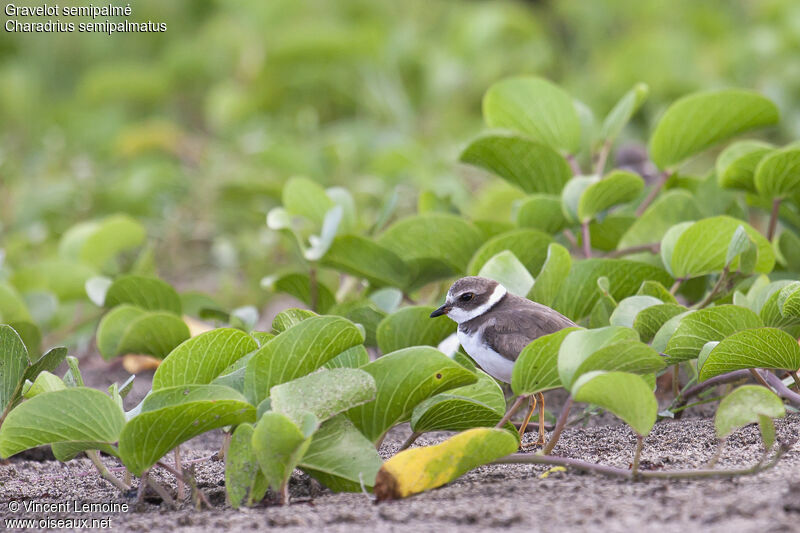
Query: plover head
{"x": 470, "y": 297}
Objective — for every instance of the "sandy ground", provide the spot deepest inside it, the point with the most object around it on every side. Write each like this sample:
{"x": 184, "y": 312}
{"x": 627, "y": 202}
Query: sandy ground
{"x": 508, "y": 497}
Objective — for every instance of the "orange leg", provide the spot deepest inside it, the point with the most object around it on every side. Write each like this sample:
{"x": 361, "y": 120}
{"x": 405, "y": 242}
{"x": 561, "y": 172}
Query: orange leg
{"x": 532, "y": 403}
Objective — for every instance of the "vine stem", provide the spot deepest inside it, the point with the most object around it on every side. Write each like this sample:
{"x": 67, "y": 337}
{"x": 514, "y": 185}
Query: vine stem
{"x": 313, "y": 288}
{"x": 707, "y": 300}
{"x": 562, "y": 421}
{"x": 773, "y": 218}
{"x": 662, "y": 180}
{"x": 587, "y": 239}
{"x": 756, "y": 374}
{"x": 410, "y": 440}
{"x": 94, "y": 456}
{"x": 613, "y": 471}
{"x": 796, "y": 378}
{"x": 602, "y": 157}
{"x": 573, "y": 164}
{"x": 675, "y": 286}
{"x": 513, "y": 409}
{"x": 694, "y": 390}
{"x": 181, "y": 492}
{"x": 637, "y": 456}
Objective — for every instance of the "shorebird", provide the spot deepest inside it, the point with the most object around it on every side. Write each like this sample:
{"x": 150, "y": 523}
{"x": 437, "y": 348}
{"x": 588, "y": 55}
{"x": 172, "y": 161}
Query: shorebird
{"x": 494, "y": 326}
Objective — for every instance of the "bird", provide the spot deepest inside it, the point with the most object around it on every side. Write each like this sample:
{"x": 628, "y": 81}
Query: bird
{"x": 494, "y": 326}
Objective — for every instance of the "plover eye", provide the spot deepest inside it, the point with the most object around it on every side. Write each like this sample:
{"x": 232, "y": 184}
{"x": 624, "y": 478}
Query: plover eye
{"x": 467, "y": 296}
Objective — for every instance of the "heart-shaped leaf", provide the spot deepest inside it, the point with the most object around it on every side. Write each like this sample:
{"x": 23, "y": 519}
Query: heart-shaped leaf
{"x": 736, "y": 164}
{"x": 366, "y": 259}
{"x": 354, "y": 357}
{"x": 324, "y": 394}
{"x": 174, "y": 415}
{"x": 788, "y": 249}
{"x": 299, "y": 286}
{"x": 279, "y": 443}
{"x": 555, "y": 270}
{"x": 743, "y": 406}
{"x": 127, "y": 329}
{"x": 579, "y": 291}
{"x": 84, "y": 418}
{"x": 700, "y": 120}
{"x": 506, "y": 269}
{"x": 420, "y": 469}
{"x": 536, "y": 369}
{"x": 702, "y": 248}
{"x": 650, "y": 320}
{"x": 671, "y": 207}
{"x": 305, "y": 197}
{"x": 151, "y": 294}
{"x": 97, "y": 242}
{"x": 363, "y": 313}
{"x": 202, "y": 358}
{"x": 404, "y": 379}
{"x": 788, "y": 300}
{"x": 340, "y": 457}
{"x": 289, "y": 317}
{"x": 412, "y": 326}
{"x": 626, "y": 395}
{"x": 13, "y": 364}
{"x": 617, "y": 187}
{"x": 535, "y": 107}
{"x": 578, "y": 346}
{"x": 528, "y": 245}
{"x": 63, "y": 277}
{"x": 12, "y": 305}
{"x": 704, "y": 325}
{"x": 629, "y": 308}
{"x": 778, "y": 173}
{"x": 622, "y": 112}
{"x": 542, "y": 212}
{"x": 752, "y": 348}
{"x": 298, "y": 351}
{"x": 572, "y": 193}
{"x": 531, "y": 166}
{"x": 244, "y": 481}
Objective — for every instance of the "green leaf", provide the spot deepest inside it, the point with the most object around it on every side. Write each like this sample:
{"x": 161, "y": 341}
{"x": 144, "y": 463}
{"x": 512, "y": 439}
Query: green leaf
{"x": 97, "y": 242}
{"x": 650, "y": 320}
{"x": 736, "y": 164}
{"x": 617, "y": 187}
{"x": 366, "y": 259}
{"x": 279, "y": 444}
{"x": 428, "y": 467}
{"x": 354, "y": 357}
{"x": 607, "y": 230}
{"x": 298, "y": 351}
{"x": 481, "y": 404}
{"x": 629, "y": 308}
{"x": 506, "y": 269}
{"x": 448, "y": 239}
{"x": 364, "y": 313}
{"x": 744, "y": 406}
{"x": 753, "y": 348}
{"x": 304, "y": 197}
{"x": 578, "y": 346}
{"x": 64, "y": 278}
{"x": 703, "y": 247}
{"x": 49, "y": 362}
{"x": 13, "y": 363}
{"x": 704, "y": 325}
{"x": 324, "y": 394}
{"x": 542, "y": 212}
{"x": 701, "y": 120}
{"x": 147, "y": 293}
{"x": 665, "y": 332}
{"x": 45, "y": 382}
{"x": 536, "y": 108}
{"x": 550, "y": 279}
{"x": 528, "y": 245}
{"x": 388, "y": 299}
{"x": 788, "y": 250}
{"x": 778, "y": 173}
{"x": 12, "y": 305}
{"x": 127, "y": 329}
{"x": 669, "y": 241}
{"x": 579, "y": 291}
{"x": 623, "y": 111}
{"x": 536, "y": 369}
{"x": 340, "y": 457}
{"x": 299, "y": 286}
{"x": 244, "y": 481}
{"x": 531, "y": 166}
{"x": 626, "y": 395}
{"x": 174, "y": 415}
{"x": 80, "y": 416}
{"x": 289, "y": 317}
{"x": 740, "y": 244}
{"x": 572, "y": 193}
{"x": 671, "y": 208}
{"x": 202, "y": 358}
{"x": 412, "y": 326}
{"x": 788, "y": 300}
{"x": 657, "y": 290}
{"x": 404, "y": 379}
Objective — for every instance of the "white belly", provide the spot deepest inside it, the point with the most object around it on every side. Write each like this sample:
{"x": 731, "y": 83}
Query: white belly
{"x": 490, "y": 361}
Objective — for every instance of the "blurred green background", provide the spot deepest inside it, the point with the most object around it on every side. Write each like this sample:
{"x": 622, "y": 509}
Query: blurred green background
{"x": 195, "y": 130}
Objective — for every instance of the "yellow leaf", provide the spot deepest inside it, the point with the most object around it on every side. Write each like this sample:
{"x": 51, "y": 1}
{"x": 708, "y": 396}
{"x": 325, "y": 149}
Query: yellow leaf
{"x": 545, "y": 475}
{"x": 420, "y": 469}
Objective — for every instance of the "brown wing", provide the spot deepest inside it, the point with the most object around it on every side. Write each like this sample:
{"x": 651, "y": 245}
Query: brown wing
{"x": 514, "y": 326}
